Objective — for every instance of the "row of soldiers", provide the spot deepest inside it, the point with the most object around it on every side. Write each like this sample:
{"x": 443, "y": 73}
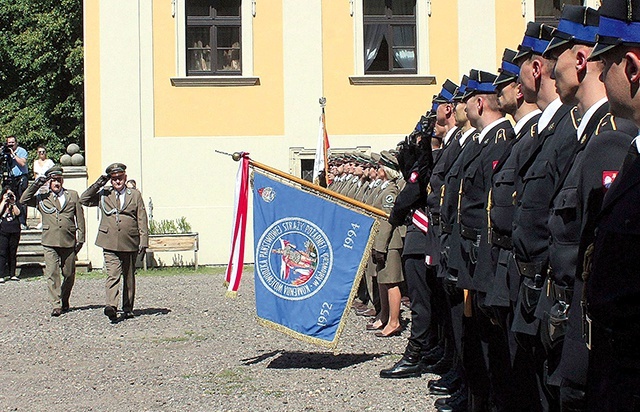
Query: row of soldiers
{"x": 519, "y": 238}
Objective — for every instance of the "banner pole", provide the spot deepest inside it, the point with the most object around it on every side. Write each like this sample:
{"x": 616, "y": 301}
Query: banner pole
{"x": 320, "y": 189}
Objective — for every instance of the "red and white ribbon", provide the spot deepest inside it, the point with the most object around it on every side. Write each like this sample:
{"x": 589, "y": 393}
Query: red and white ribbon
{"x": 239, "y": 230}
{"x": 420, "y": 220}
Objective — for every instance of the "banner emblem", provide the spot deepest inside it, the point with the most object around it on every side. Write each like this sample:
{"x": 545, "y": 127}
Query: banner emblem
{"x": 267, "y": 194}
{"x": 294, "y": 258}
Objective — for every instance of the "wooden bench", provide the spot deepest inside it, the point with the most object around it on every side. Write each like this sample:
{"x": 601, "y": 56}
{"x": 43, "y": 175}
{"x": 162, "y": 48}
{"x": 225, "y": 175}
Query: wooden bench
{"x": 174, "y": 242}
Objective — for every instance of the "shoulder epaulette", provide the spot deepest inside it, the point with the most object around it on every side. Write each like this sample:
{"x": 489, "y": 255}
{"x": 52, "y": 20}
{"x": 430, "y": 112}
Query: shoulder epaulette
{"x": 607, "y": 121}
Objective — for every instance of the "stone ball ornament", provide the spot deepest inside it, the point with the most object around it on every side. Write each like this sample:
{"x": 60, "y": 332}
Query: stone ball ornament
{"x": 73, "y": 149}
{"x": 77, "y": 159}
{"x": 65, "y": 160}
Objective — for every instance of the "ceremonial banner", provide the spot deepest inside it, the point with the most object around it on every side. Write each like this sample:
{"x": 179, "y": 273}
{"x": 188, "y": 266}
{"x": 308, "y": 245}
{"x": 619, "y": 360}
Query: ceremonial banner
{"x": 310, "y": 253}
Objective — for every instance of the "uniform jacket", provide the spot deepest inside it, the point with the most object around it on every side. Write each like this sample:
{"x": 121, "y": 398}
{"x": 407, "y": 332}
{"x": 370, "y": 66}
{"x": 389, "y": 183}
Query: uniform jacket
{"x": 121, "y": 229}
{"x": 62, "y": 225}
{"x": 388, "y": 237}
{"x": 450, "y": 242}
{"x": 575, "y": 208}
{"x": 505, "y": 183}
{"x": 540, "y": 173}
{"x": 476, "y": 183}
{"x": 413, "y": 196}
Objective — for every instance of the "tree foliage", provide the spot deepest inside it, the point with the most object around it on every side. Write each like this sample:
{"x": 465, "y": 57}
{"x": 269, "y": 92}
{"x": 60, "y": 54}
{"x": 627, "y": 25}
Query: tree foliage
{"x": 41, "y": 73}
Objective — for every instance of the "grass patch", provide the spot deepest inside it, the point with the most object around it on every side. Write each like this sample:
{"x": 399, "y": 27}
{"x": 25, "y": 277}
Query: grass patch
{"x": 229, "y": 381}
{"x": 162, "y": 272}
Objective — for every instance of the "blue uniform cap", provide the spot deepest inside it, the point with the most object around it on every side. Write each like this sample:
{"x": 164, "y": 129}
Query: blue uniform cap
{"x": 480, "y": 83}
{"x": 508, "y": 71}
{"x": 535, "y": 41}
{"x": 578, "y": 25}
{"x": 619, "y": 26}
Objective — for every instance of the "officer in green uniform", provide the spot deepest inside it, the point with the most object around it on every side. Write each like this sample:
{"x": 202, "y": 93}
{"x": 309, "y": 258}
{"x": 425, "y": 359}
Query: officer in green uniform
{"x": 63, "y": 232}
{"x": 122, "y": 234}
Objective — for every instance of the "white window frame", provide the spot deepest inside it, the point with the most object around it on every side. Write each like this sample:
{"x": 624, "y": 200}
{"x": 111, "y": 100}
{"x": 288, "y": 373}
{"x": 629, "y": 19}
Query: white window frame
{"x": 422, "y": 50}
{"x": 247, "y": 12}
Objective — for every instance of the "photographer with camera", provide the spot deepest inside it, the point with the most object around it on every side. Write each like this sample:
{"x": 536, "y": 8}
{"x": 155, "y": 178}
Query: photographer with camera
{"x": 9, "y": 234}
{"x": 16, "y": 173}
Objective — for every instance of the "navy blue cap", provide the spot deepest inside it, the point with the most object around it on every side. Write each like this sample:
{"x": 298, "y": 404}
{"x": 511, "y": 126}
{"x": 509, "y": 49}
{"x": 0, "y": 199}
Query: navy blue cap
{"x": 535, "y": 41}
{"x": 578, "y": 25}
{"x": 459, "y": 94}
{"x": 480, "y": 83}
{"x": 619, "y": 26}
{"x": 508, "y": 71}
{"x": 447, "y": 93}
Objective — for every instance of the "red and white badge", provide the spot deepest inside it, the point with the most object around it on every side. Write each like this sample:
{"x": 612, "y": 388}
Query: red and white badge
{"x": 414, "y": 177}
{"x": 495, "y": 163}
{"x": 608, "y": 176}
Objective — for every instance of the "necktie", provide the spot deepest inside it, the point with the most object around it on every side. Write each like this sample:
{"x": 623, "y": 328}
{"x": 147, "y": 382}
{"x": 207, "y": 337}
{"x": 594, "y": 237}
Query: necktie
{"x": 118, "y": 200}
{"x": 58, "y": 206}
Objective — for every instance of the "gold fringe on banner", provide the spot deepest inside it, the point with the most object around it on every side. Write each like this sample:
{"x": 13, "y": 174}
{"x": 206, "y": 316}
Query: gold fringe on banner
{"x": 363, "y": 263}
{"x": 321, "y": 191}
{"x": 232, "y": 294}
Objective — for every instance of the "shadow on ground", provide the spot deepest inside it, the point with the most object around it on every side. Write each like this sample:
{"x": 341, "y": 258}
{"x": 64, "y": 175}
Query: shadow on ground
{"x": 311, "y": 360}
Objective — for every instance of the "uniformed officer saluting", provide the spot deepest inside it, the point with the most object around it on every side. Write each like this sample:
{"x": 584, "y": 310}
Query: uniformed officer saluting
{"x": 63, "y": 232}
{"x": 122, "y": 235}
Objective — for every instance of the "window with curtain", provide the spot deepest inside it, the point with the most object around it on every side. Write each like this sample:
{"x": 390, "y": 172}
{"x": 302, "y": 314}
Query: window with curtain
{"x": 213, "y": 37}
{"x": 389, "y": 36}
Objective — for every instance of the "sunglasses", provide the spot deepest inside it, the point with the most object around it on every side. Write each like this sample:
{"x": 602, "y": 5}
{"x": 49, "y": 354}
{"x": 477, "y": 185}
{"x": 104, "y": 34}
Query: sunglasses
{"x": 56, "y": 179}
{"x": 120, "y": 177}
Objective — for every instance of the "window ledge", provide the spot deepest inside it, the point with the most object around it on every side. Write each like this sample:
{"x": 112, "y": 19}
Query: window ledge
{"x": 393, "y": 79}
{"x": 214, "y": 81}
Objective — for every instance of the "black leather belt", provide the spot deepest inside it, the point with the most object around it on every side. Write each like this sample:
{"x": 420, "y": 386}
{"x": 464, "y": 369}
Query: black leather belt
{"x": 530, "y": 270}
{"x": 469, "y": 232}
{"x": 503, "y": 241}
{"x": 446, "y": 228}
{"x": 559, "y": 293}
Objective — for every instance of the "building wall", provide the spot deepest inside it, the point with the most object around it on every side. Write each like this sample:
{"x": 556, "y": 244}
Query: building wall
{"x": 302, "y": 50}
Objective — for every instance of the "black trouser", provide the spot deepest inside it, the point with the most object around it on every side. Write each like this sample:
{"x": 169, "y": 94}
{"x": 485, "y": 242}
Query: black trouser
{"x": 8, "y": 253}
{"x": 420, "y": 285}
{"x": 613, "y": 382}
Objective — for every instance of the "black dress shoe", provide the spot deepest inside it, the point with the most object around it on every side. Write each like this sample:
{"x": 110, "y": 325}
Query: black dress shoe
{"x": 445, "y": 379}
{"x": 56, "y": 312}
{"x": 446, "y": 388}
{"x": 457, "y": 403}
{"x": 111, "y": 312}
{"x": 404, "y": 368}
{"x": 462, "y": 391}
{"x": 127, "y": 314}
{"x": 439, "y": 368}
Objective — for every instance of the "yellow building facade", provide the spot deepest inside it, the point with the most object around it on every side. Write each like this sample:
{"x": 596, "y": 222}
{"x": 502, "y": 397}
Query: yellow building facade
{"x": 150, "y": 104}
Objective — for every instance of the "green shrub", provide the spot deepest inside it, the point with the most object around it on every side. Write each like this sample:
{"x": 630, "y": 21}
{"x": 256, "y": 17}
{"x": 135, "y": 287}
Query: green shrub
{"x": 170, "y": 226}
